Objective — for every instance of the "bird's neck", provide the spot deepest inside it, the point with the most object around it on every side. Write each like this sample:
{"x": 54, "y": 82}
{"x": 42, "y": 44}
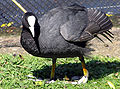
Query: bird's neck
{"x": 30, "y": 44}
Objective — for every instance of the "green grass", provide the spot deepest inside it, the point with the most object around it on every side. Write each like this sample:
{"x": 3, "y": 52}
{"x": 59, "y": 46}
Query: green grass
{"x": 13, "y": 71}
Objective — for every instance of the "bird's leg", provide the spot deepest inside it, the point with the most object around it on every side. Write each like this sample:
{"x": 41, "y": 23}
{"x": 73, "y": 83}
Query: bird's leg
{"x": 53, "y": 69}
{"x": 85, "y": 71}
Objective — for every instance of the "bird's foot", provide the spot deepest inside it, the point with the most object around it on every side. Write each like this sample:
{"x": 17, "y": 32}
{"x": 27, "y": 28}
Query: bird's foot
{"x": 51, "y": 81}
{"x": 84, "y": 79}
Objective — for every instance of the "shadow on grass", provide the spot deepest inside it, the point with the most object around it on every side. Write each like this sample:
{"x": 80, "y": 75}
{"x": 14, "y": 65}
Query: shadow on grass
{"x": 97, "y": 69}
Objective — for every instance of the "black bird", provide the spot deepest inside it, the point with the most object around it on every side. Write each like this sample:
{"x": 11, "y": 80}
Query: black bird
{"x": 63, "y": 32}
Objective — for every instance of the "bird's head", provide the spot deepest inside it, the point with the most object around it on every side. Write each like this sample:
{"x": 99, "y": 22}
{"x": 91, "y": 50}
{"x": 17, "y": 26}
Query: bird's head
{"x": 29, "y": 21}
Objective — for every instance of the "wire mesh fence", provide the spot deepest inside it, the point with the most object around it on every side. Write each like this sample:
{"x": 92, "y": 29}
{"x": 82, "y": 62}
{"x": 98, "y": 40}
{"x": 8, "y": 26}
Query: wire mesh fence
{"x": 10, "y": 14}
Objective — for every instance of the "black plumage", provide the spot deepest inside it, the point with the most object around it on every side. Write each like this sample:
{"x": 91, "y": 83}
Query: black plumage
{"x": 63, "y": 31}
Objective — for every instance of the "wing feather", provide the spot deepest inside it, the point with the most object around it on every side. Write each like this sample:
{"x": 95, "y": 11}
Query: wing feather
{"x": 85, "y": 25}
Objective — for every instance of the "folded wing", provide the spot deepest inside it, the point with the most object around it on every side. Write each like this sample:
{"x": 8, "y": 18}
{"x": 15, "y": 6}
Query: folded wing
{"x": 83, "y": 25}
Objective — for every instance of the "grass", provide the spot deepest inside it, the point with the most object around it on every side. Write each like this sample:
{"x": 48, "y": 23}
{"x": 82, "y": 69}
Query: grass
{"x": 14, "y": 68}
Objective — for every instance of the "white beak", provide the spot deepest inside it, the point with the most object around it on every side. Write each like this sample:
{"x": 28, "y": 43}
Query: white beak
{"x": 31, "y": 21}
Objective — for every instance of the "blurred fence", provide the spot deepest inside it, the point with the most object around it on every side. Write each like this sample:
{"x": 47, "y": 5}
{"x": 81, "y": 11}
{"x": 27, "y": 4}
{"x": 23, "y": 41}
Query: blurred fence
{"x": 10, "y": 14}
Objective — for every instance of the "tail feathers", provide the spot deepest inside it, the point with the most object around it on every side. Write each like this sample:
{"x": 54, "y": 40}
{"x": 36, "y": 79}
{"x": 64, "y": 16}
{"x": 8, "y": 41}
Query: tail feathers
{"x": 111, "y": 35}
{"x": 99, "y": 38}
{"x": 99, "y": 23}
{"x": 107, "y": 37}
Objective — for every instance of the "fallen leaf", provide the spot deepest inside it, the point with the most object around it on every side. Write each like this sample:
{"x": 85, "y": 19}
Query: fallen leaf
{"x": 30, "y": 76}
{"x": 3, "y": 25}
{"x": 116, "y": 74}
{"x": 9, "y": 24}
{"x": 38, "y": 83}
{"x": 111, "y": 84}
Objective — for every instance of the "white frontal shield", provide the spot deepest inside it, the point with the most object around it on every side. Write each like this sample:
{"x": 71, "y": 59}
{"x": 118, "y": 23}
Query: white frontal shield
{"x": 31, "y": 22}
